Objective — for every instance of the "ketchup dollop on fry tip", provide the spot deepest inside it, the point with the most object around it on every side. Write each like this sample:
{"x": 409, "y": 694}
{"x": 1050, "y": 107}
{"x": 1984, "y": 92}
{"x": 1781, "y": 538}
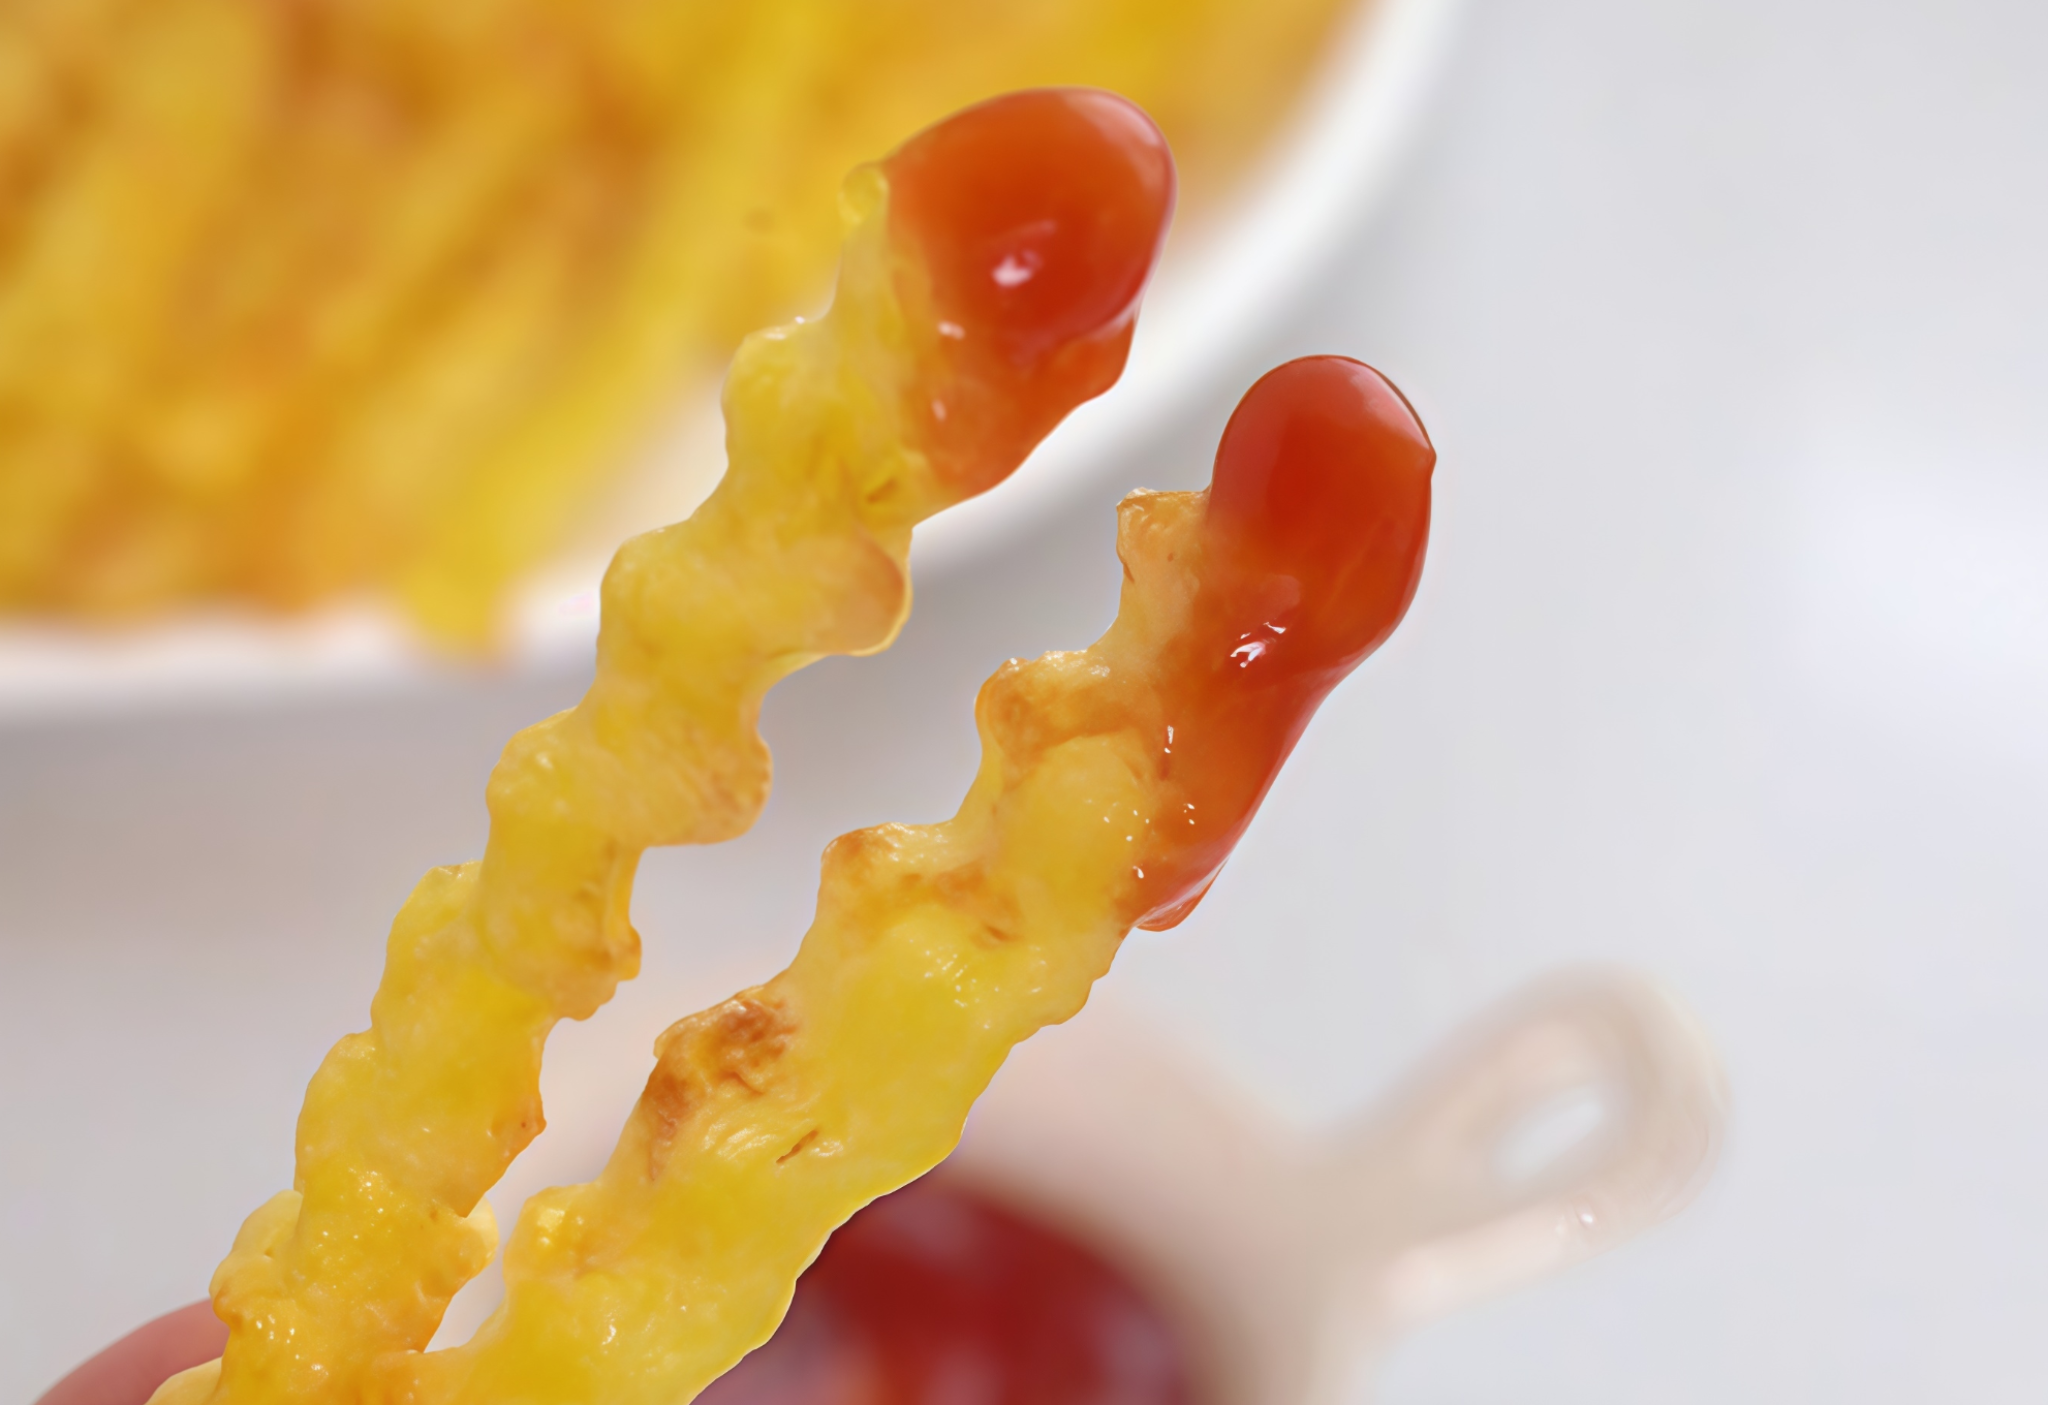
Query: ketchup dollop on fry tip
{"x": 1035, "y": 219}
{"x": 1316, "y": 526}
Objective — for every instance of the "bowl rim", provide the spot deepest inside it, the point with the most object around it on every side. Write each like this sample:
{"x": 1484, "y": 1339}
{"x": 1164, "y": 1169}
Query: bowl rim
{"x": 1328, "y": 169}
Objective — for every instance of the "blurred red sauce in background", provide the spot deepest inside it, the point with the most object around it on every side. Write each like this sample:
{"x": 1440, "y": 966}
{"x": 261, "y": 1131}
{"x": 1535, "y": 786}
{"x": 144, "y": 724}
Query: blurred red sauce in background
{"x": 937, "y": 1296}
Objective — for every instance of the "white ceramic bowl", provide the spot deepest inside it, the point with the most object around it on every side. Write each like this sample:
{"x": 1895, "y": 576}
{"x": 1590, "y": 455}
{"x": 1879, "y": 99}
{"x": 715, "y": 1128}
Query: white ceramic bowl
{"x": 1213, "y": 292}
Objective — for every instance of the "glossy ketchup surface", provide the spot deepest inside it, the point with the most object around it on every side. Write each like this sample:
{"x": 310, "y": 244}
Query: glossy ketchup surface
{"x": 1032, "y": 221}
{"x": 1317, "y": 520}
{"x": 937, "y": 1296}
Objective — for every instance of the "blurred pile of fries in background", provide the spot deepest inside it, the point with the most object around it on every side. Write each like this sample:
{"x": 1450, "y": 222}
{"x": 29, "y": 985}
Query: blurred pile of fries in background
{"x": 307, "y": 298}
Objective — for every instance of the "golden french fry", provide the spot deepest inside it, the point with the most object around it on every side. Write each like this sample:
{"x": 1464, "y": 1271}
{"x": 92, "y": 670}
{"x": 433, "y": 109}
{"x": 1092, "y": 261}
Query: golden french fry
{"x": 840, "y": 443}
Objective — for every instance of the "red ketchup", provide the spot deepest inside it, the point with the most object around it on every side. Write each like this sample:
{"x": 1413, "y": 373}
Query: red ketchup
{"x": 1318, "y": 519}
{"x": 1033, "y": 221}
{"x": 937, "y": 1296}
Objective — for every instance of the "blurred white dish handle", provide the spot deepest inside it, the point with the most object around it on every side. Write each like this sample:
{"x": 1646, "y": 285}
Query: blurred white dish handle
{"x": 1562, "y": 1123}
{"x": 1581, "y": 1113}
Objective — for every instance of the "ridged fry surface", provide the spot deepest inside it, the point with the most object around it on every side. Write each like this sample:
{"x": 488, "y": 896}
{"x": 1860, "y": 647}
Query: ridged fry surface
{"x": 840, "y": 440}
{"x": 1113, "y": 784}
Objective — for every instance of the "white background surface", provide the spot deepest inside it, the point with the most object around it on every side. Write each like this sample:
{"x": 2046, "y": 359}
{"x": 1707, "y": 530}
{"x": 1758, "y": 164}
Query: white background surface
{"x": 1730, "y": 319}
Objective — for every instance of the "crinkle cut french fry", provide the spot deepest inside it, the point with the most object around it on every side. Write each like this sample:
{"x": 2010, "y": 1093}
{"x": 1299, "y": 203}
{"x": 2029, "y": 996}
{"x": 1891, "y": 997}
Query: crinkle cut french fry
{"x": 1113, "y": 784}
{"x": 836, "y": 450}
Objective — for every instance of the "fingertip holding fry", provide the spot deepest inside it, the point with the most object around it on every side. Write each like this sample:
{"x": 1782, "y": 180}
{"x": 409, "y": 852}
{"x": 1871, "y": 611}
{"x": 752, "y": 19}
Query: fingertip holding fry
{"x": 131, "y": 1370}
